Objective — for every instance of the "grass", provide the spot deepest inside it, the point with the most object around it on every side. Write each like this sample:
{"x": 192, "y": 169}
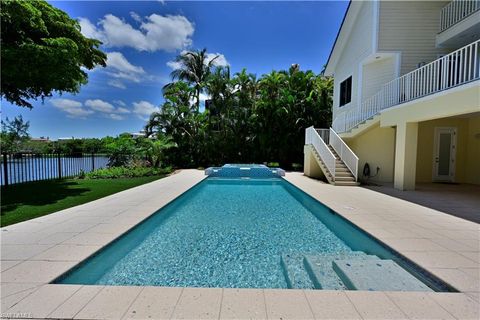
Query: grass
{"x": 35, "y": 199}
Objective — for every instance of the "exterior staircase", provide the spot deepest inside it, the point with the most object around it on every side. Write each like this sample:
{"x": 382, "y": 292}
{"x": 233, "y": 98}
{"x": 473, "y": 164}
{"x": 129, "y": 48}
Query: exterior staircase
{"x": 335, "y": 169}
{"x": 343, "y": 175}
{"x": 361, "y": 127}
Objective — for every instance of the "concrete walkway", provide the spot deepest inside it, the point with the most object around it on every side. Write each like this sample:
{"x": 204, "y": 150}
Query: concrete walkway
{"x": 460, "y": 200}
{"x": 35, "y": 252}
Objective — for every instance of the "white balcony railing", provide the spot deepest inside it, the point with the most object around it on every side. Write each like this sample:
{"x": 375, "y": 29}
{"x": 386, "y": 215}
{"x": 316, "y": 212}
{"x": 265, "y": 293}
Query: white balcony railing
{"x": 346, "y": 154}
{"x": 313, "y": 137}
{"x": 456, "y": 11}
{"x": 456, "y": 68}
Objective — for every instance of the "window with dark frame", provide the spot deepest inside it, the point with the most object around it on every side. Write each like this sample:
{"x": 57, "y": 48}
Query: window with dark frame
{"x": 346, "y": 91}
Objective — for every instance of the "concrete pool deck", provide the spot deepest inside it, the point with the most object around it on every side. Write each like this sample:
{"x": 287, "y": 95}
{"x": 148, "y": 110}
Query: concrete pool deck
{"x": 35, "y": 252}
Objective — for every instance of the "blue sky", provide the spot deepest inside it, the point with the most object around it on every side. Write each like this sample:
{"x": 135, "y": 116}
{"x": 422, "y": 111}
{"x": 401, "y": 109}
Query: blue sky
{"x": 142, "y": 39}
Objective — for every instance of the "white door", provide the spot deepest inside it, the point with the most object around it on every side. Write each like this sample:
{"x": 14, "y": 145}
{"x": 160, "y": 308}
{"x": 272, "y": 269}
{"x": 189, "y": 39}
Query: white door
{"x": 444, "y": 154}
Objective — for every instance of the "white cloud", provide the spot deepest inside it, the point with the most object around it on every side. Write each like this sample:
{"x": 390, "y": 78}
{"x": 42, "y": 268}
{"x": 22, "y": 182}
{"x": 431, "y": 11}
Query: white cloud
{"x": 89, "y": 30}
{"x": 220, "y": 61}
{"x": 122, "y": 110}
{"x": 174, "y": 65}
{"x": 115, "y": 116}
{"x": 143, "y": 109}
{"x": 72, "y": 108}
{"x": 117, "y": 84}
{"x": 156, "y": 32}
{"x": 76, "y": 109}
{"x": 106, "y": 107}
{"x": 135, "y": 16}
{"x": 100, "y": 105}
{"x": 117, "y": 61}
{"x": 120, "y": 102}
{"x": 119, "y": 68}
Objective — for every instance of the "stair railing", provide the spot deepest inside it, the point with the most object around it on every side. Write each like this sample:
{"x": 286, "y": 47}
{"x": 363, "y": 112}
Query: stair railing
{"x": 345, "y": 153}
{"x": 326, "y": 155}
{"x": 324, "y": 134}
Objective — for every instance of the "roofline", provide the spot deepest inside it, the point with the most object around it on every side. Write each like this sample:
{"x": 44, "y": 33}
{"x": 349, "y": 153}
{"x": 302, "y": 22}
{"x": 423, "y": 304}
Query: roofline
{"x": 338, "y": 34}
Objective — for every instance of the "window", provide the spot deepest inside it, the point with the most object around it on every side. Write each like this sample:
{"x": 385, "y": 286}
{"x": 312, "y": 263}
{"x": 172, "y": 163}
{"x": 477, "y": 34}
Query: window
{"x": 346, "y": 91}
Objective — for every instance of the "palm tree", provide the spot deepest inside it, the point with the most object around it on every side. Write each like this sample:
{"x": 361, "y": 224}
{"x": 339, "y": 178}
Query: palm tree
{"x": 246, "y": 85}
{"x": 156, "y": 149}
{"x": 195, "y": 67}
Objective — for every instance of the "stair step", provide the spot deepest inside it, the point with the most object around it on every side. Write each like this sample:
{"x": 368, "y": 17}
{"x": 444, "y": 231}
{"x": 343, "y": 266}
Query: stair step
{"x": 376, "y": 275}
{"x": 295, "y": 273}
{"x": 343, "y": 174}
{"x": 320, "y": 268}
{"x": 347, "y": 183}
{"x": 342, "y": 178}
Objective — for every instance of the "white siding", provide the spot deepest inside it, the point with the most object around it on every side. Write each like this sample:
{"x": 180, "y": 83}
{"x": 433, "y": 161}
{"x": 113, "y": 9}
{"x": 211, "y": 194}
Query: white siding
{"x": 376, "y": 74}
{"x": 357, "y": 47}
{"x": 410, "y": 27}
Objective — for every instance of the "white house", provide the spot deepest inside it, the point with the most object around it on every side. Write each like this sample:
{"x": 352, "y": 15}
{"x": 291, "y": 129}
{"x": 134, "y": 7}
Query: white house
{"x": 406, "y": 95}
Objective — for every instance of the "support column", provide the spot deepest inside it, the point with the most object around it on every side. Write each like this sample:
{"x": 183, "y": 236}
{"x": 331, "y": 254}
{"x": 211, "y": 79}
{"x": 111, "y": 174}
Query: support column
{"x": 406, "y": 156}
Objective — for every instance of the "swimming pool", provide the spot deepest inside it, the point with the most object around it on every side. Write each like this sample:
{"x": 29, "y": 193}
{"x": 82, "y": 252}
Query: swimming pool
{"x": 249, "y": 233}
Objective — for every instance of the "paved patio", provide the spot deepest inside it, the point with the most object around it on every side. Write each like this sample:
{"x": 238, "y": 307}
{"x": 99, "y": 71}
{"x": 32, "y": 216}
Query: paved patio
{"x": 460, "y": 200}
{"x": 37, "y": 251}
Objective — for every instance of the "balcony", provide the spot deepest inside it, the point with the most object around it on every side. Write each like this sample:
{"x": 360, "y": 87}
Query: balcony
{"x": 459, "y": 23}
{"x": 455, "y": 69}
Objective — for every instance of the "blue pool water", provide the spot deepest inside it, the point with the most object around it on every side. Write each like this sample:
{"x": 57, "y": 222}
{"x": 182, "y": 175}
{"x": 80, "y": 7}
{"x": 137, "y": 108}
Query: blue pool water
{"x": 242, "y": 233}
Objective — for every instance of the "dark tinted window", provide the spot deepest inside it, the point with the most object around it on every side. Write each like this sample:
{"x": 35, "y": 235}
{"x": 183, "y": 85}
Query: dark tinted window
{"x": 346, "y": 91}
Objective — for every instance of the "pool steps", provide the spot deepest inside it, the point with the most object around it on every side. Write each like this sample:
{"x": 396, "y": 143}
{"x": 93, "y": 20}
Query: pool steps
{"x": 296, "y": 275}
{"x": 348, "y": 271}
{"x": 320, "y": 268}
{"x": 377, "y": 275}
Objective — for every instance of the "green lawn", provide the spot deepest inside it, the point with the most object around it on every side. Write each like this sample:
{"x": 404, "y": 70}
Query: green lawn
{"x": 34, "y": 199}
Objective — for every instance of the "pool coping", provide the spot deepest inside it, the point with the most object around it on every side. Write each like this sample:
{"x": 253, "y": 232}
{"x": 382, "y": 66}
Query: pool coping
{"x": 37, "y": 251}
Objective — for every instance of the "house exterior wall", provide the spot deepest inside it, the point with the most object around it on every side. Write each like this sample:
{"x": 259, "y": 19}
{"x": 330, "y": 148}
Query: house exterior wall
{"x": 380, "y": 41}
{"x": 410, "y": 28}
{"x": 377, "y": 148}
{"x": 376, "y": 74}
{"x": 358, "y": 46}
{"x": 473, "y": 151}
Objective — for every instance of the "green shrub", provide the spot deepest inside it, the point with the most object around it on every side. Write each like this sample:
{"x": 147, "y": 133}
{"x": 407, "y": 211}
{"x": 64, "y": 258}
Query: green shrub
{"x": 297, "y": 166}
{"x": 273, "y": 164}
{"x": 126, "y": 172}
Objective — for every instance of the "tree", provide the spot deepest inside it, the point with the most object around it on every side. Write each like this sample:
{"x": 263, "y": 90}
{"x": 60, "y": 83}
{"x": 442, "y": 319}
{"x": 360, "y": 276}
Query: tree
{"x": 43, "y": 51}
{"x": 14, "y": 133}
{"x": 194, "y": 69}
{"x": 121, "y": 150}
{"x": 155, "y": 151}
{"x": 247, "y": 120}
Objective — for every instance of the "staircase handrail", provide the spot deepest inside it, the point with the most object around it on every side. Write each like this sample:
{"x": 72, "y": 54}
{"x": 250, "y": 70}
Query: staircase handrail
{"x": 346, "y": 154}
{"x": 313, "y": 138}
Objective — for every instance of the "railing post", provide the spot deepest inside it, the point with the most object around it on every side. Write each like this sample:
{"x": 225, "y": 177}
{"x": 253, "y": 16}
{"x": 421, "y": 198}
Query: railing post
{"x": 59, "y": 161}
{"x": 5, "y": 169}
{"x": 93, "y": 161}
